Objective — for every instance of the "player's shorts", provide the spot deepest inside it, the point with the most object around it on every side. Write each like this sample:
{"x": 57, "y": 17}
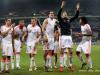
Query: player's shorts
{"x": 49, "y": 45}
{"x": 7, "y": 49}
{"x": 65, "y": 42}
{"x": 31, "y": 47}
{"x": 17, "y": 45}
{"x": 84, "y": 46}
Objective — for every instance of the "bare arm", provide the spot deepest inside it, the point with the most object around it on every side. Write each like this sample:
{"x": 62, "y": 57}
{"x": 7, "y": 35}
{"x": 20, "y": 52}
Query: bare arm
{"x": 44, "y": 25}
{"x": 60, "y": 11}
{"x": 77, "y": 12}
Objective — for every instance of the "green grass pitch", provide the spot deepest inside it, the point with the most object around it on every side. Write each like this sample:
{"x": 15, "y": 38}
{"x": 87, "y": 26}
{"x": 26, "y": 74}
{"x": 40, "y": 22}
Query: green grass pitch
{"x": 40, "y": 63}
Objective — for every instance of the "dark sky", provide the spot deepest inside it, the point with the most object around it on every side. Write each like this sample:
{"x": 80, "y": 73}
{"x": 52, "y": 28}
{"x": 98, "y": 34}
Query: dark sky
{"x": 90, "y": 7}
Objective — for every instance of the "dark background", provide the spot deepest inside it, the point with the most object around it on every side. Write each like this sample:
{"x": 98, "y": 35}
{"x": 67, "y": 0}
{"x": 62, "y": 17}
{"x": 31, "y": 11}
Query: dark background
{"x": 28, "y": 7}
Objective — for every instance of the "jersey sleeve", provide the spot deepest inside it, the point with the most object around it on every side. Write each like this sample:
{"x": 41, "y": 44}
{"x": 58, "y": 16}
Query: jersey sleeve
{"x": 24, "y": 29}
{"x": 88, "y": 28}
{"x": 28, "y": 28}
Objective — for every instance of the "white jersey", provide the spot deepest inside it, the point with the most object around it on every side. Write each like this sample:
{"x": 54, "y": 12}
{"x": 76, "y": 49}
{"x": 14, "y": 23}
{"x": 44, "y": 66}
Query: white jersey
{"x": 8, "y": 38}
{"x": 32, "y": 32}
{"x": 84, "y": 30}
{"x": 19, "y": 31}
{"x": 50, "y": 28}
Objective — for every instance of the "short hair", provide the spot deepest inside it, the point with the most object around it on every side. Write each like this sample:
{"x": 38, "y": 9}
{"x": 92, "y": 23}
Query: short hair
{"x": 50, "y": 11}
{"x": 7, "y": 19}
{"x": 21, "y": 20}
{"x": 84, "y": 19}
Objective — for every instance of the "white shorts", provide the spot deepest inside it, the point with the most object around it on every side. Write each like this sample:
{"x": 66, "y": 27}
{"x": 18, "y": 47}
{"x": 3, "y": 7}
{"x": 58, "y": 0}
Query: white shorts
{"x": 65, "y": 42}
{"x": 7, "y": 49}
{"x": 50, "y": 43}
{"x": 56, "y": 46}
{"x": 31, "y": 47}
{"x": 17, "y": 45}
{"x": 84, "y": 46}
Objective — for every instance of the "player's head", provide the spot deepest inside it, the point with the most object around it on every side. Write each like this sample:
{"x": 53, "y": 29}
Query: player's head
{"x": 34, "y": 21}
{"x": 21, "y": 24}
{"x": 8, "y": 21}
{"x": 83, "y": 20}
{"x": 51, "y": 14}
{"x": 64, "y": 14}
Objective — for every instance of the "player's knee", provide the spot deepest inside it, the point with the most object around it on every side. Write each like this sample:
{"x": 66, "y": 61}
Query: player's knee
{"x": 87, "y": 55}
{"x": 71, "y": 53}
{"x": 77, "y": 53}
{"x": 50, "y": 53}
{"x": 61, "y": 51}
{"x": 8, "y": 59}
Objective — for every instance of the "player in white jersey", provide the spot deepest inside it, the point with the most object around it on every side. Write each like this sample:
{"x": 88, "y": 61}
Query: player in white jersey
{"x": 7, "y": 49}
{"x": 48, "y": 30}
{"x": 85, "y": 44}
{"x": 33, "y": 37}
{"x": 19, "y": 30}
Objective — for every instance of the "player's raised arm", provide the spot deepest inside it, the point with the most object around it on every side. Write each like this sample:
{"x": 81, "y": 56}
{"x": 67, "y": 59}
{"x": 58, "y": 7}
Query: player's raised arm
{"x": 60, "y": 11}
{"x": 63, "y": 3}
{"x": 77, "y": 12}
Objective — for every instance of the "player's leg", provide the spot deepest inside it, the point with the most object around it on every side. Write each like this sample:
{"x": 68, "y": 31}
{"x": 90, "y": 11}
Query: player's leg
{"x": 32, "y": 62}
{"x": 9, "y": 53}
{"x": 33, "y": 57}
{"x": 7, "y": 64}
{"x": 62, "y": 46}
{"x": 12, "y": 62}
{"x": 55, "y": 60}
{"x": 65, "y": 57}
{"x": 49, "y": 55}
{"x": 87, "y": 51}
{"x": 18, "y": 60}
{"x": 30, "y": 57}
{"x": 61, "y": 59}
{"x": 3, "y": 61}
{"x": 56, "y": 45}
{"x": 49, "y": 60}
{"x": 18, "y": 50}
{"x": 70, "y": 57}
{"x": 89, "y": 61}
{"x": 68, "y": 45}
{"x": 79, "y": 55}
{"x": 45, "y": 52}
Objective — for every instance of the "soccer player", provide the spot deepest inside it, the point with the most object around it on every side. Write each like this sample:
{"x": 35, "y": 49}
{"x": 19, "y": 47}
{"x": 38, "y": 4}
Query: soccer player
{"x": 19, "y": 30}
{"x": 85, "y": 44}
{"x": 33, "y": 37}
{"x": 66, "y": 38}
{"x": 48, "y": 30}
{"x": 7, "y": 49}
